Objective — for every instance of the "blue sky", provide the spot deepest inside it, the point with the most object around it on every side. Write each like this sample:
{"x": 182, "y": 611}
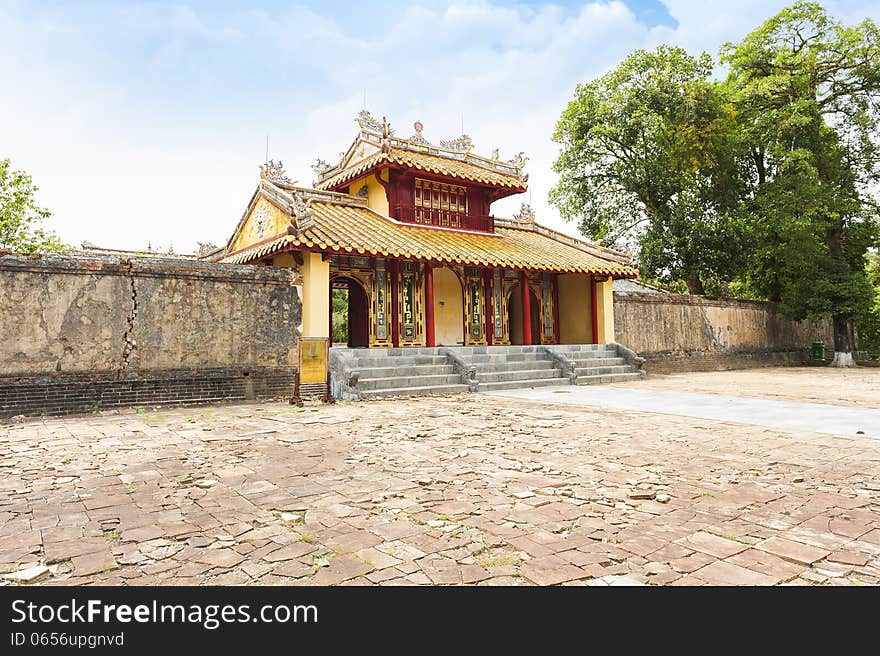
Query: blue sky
{"x": 146, "y": 121}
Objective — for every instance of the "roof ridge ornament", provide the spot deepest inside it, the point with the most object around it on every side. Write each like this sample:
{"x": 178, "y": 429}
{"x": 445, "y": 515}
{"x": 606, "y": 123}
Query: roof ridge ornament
{"x": 320, "y": 167}
{"x": 302, "y": 218}
{"x": 274, "y": 172}
{"x": 368, "y": 122}
{"x": 525, "y": 216}
{"x": 462, "y": 144}
{"x": 385, "y": 141}
{"x": 418, "y": 138}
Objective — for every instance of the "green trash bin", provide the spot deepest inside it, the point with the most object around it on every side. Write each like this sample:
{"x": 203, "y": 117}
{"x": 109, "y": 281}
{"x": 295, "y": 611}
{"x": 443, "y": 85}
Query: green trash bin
{"x": 818, "y": 351}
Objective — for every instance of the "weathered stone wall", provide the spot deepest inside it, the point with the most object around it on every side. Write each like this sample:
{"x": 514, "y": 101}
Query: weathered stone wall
{"x": 141, "y": 329}
{"x": 686, "y": 333}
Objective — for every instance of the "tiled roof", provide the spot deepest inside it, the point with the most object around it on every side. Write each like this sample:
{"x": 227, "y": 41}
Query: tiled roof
{"x": 447, "y": 166}
{"x": 352, "y": 228}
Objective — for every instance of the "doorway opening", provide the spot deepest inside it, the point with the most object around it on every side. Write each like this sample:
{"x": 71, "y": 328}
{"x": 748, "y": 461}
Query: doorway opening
{"x": 515, "y": 316}
{"x": 350, "y": 313}
{"x": 448, "y": 308}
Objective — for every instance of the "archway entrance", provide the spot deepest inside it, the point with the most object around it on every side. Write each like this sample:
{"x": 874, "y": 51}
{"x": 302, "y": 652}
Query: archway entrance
{"x": 515, "y": 316}
{"x": 448, "y": 308}
{"x": 350, "y": 313}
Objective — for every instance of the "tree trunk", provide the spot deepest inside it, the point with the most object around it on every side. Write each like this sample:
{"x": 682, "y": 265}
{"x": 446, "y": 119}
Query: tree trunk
{"x": 695, "y": 286}
{"x": 843, "y": 346}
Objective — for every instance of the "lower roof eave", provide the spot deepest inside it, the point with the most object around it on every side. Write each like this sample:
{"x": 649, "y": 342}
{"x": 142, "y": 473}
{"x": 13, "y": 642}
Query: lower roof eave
{"x": 615, "y": 273}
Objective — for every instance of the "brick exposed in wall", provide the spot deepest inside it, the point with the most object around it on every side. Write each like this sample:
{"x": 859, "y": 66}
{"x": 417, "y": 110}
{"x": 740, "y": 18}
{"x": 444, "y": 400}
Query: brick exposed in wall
{"x": 63, "y": 393}
{"x": 687, "y": 333}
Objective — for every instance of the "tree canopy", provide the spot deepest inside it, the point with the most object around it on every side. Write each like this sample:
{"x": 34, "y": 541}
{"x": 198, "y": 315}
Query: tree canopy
{"x": 648, "y": 154}
{"x": 764, "y": 182}
{"x": 20, "y": 216}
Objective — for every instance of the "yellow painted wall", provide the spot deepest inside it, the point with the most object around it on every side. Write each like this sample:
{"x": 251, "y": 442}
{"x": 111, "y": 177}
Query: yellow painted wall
{"x": 275, "y": 222}
{"x": 285, "y": 260}
{"x": 315, "y": 296}
{"x": 377, "y": 200}
{"x": 605, "y": 311}
{"x": 575, "y": 309}
{"x": 448, "y": 308}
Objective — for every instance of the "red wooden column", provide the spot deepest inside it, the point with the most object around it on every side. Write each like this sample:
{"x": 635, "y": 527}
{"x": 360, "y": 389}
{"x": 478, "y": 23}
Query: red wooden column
{"x": 430, "y": 341}
{"x": 395, "y": 310}
{"x": 595, "y": 309}
{"x": 557, "y": 329}
{"x": 488, "y": 306}
{"x": 526, "y": 309}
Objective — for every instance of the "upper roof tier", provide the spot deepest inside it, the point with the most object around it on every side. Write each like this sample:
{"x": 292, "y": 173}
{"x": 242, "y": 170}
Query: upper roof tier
{"x": 376, "y": 146}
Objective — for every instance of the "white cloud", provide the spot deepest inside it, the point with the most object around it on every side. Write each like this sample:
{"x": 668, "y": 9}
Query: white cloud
{"x": 147, "y": 123}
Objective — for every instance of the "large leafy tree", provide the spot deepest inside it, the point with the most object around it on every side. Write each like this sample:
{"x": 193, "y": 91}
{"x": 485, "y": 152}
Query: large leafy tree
{"x": 807, "y": 90}
{"x": 20, "y": 216}
{"x": 869, "y": 325}
{"x": 649, "y": 153}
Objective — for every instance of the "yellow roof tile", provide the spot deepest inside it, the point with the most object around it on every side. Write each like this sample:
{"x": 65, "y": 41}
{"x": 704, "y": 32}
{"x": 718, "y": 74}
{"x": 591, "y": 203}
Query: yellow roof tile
{"x": 428, "y": 163}
{"x": 355, "y": 229}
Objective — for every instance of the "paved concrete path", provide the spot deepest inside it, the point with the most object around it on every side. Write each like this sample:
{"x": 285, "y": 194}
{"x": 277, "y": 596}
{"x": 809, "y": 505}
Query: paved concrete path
{"x": 786, "y": 415}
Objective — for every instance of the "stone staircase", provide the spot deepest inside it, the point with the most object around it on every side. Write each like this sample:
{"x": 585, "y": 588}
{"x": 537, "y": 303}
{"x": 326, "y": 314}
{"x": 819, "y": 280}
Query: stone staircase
{"x": 513, "y": 367}
{"x": 599, "y": 363}
{"x": 394, "y": 372}
{"x": 370, "y": 373}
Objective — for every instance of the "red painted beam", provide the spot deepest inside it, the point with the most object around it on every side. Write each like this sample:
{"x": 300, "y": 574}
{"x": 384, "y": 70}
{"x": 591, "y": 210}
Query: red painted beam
{"x": 526, "y": 309}
{"x": 430, "y": 340}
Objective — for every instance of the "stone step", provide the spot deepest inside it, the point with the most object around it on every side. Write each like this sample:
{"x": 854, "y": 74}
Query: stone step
{"x": 407, "y": 371}
{"x": 590, "y": 355}
{"x": 525, "y": 374}
{"x": 601, "y": 371}
{"x": 389, "y": 352}
{"x": 609, "y": 378}
{"x": 402, "y": 381}
{"x": 582, "y": 348}
{"x": 399, "y": 361}
{"x": 413, "y": 391}
{"x": 488, "y": 358}
{"x": 531, "y": 365}
{"x": 521, "y": 384}
{"x": 600, "y": 362}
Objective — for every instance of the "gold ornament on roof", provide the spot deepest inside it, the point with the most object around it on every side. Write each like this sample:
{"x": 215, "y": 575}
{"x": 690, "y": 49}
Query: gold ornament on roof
{"x": 385, "y": 143}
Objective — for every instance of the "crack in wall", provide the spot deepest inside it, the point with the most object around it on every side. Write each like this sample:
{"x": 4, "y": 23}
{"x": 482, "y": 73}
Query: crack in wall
{"x": 129, "y": 348}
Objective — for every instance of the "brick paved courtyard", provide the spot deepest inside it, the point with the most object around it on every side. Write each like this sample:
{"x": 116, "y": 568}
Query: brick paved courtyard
{"x": 465, "y": 489}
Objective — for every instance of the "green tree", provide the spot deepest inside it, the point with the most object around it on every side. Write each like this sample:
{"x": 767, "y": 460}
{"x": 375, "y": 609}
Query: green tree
{"x": 340, "y": 316}
{"x": 869, "y": 324}
{"x": 20, "y": 216}
{"x": 807, "y": 96}
{"x": 649, "y": 152}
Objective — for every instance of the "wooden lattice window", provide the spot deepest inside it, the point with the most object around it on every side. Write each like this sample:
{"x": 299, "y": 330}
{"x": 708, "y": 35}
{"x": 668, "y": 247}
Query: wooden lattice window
{"x": 437, "y": 203}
